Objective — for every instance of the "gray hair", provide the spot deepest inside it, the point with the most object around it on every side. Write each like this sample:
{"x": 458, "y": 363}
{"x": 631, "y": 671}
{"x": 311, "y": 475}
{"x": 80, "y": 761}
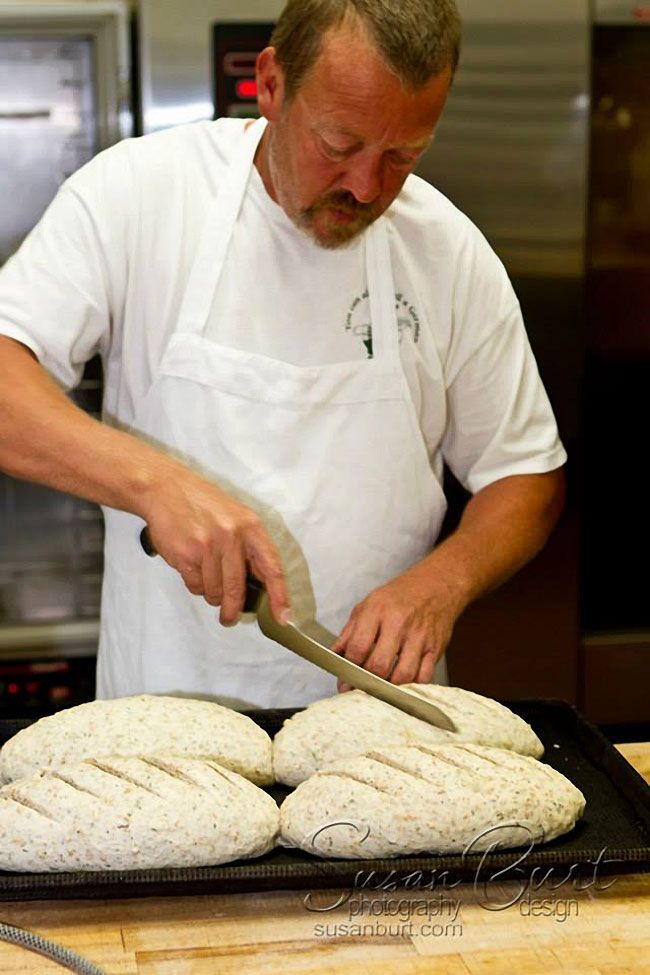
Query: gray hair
{"x": 417, "y": 38}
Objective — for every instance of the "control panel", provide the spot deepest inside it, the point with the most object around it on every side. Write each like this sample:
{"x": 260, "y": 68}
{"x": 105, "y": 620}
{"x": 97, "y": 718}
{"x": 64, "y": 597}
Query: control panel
{"x": 627, "y": 12}
{"x": 235, "y": 49}
{"x": 31, "y": 688}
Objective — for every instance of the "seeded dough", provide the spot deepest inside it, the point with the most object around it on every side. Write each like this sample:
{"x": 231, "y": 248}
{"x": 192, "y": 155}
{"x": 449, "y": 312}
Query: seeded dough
{"x": 133, "y": 813}
{"x": 143, "y": 725}
{"x": 429, "y": 799}
{"x": 352, "y": 723}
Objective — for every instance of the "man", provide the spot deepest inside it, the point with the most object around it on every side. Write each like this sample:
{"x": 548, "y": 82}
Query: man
{"x": 295, "y": 334}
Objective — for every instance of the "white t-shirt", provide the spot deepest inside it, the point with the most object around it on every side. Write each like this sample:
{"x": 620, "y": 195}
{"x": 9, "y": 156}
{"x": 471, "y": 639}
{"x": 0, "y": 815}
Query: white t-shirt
{"x": 106, "y": 268}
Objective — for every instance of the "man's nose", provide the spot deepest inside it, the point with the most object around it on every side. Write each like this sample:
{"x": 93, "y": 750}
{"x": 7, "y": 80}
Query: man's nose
{"x": 364, "y": 179}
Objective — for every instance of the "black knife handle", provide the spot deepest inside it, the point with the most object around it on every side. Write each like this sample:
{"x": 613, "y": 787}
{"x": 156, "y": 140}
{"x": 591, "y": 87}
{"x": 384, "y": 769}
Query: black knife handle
{"x": 254, "y": 588}
{"x": 147, "y": 544}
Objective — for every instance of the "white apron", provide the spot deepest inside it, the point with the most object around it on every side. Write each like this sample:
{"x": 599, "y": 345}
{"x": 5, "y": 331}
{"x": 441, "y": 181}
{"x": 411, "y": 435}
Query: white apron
{"x": 331, "y": 457}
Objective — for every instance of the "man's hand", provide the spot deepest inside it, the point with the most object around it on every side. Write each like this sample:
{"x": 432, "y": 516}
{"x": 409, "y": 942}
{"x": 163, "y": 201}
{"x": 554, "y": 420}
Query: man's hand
{"x": 210, "y": 538}
{"x": 401, "y": 629}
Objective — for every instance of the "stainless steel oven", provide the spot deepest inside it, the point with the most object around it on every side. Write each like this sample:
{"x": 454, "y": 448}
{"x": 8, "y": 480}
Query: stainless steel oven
{"x": 64, "y": 95}
{"x": 616, "y": 522}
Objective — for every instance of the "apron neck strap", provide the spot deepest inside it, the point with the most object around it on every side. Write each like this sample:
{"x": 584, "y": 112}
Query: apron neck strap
{"x": 218, "y": 227}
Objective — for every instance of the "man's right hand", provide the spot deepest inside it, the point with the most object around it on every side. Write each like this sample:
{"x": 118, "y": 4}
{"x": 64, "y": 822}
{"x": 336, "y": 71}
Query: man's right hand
{"x": 197, "y": 528}
{"x": 211, "y": 539}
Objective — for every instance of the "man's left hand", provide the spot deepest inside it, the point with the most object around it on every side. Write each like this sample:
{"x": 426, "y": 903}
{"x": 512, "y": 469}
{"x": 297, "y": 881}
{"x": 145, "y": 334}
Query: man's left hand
{"x": 401, "y": 629}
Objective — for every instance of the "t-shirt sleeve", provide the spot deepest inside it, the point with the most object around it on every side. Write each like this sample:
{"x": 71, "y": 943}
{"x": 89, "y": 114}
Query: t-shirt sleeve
{"x": 59, "y": 290}
{"x": 500, "y": 420}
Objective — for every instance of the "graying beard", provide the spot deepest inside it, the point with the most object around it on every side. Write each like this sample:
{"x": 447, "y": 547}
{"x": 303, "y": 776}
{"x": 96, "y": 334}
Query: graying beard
{"x": 334, "y": 241}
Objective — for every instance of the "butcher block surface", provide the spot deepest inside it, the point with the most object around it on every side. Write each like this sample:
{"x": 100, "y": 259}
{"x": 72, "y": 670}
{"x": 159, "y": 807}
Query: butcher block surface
{"x": 595, "y": 925}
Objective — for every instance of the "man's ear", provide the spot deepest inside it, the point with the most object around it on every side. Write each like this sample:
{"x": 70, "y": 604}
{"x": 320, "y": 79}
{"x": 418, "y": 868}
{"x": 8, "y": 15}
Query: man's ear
{"x": 270, "y": 84}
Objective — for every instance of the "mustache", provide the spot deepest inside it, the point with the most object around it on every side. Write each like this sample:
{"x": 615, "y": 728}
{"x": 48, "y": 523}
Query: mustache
{"x": 345, "y": 202}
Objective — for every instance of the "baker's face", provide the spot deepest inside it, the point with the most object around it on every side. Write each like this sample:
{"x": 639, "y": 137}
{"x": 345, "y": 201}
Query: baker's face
{"x": 336, "y": 156}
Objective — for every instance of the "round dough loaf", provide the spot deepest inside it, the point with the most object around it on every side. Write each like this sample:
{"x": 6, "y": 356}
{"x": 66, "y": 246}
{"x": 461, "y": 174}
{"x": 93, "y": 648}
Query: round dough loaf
{"x": 421, "y": 799}
{"x": 142, "y": 725}
{"x": 133, "y": 813}
{"x": 352, "y": 723}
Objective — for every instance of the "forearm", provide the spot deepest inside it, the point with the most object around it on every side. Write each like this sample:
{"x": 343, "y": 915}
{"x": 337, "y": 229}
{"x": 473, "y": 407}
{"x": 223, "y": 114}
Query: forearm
{"x": 209, "y": 537}
{"x": 45, "y": 438}
{"x": 502, "y": 528}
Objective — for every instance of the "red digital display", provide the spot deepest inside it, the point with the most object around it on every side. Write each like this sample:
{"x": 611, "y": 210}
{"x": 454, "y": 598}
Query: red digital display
{"x": 246, "y": 88}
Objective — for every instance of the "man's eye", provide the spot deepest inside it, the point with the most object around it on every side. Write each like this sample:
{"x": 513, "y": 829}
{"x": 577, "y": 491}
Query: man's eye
{"x": 404, "y": 158}
{"x": 334, "y": 152}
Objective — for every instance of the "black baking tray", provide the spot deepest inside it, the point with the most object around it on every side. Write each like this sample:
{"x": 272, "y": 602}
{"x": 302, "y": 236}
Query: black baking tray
{"x": 612, "y": 838}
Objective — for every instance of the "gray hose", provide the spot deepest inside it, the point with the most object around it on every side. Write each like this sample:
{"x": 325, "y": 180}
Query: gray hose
{"x": 63, "y": 956}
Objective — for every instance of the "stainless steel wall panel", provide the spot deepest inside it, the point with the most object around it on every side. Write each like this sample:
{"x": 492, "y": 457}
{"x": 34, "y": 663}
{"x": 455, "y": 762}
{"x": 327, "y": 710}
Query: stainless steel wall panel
{"x": 511, "y": 149}
{"x": 525, "y": 11}
{"x": 175, "y": 55}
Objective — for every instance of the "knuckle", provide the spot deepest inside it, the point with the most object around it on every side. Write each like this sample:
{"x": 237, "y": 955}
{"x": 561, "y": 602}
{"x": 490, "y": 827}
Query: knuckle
{"x": 233, "y": 590}
{"x": 379, "y": 666}
{"x": 405, "y": 675}
{"x": 426, "y": 672}
{"x": 398, "y": 618}
{"x": 407, "y": 671}
{"x": 186, "y": 555}
{"x": 229, "y": 535}
{"x": 193, "y": 587}
{"x": 356, "y": 651}
{"x": 213, "y": 597}
{"x": 274, "y": 573}
{"x": 250, "y": 521}
{"x": 193, "y": 549}
{"x": 231, "y": 524}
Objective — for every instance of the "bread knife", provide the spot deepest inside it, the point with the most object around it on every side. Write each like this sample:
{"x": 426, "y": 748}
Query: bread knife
{"x": 317, "y": 652}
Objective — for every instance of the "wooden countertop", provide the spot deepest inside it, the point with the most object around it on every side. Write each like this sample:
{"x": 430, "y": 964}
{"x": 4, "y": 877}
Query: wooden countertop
{"x": 603, "y": 929}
